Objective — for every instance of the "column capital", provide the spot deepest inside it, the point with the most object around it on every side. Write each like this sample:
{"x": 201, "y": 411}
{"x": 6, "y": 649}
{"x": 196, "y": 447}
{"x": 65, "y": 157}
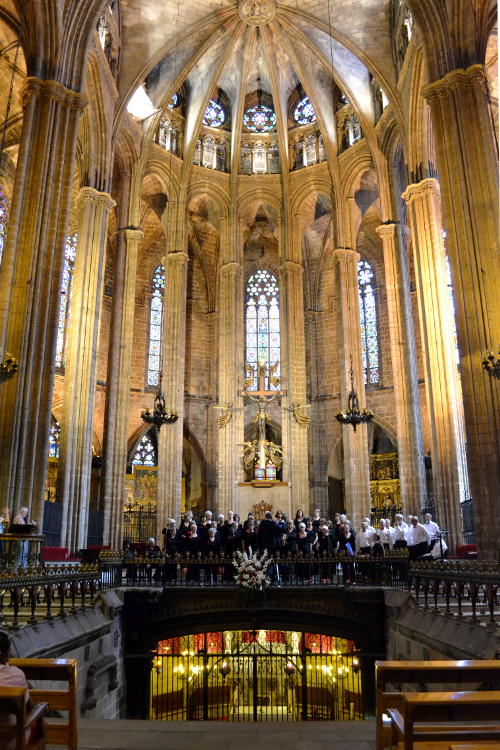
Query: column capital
{"x": 232, "y": 268}
{"x": 346, "y": 254}
{"x": 52, "y": 90}
{"x": 460, "y": 78}
{"x": 88, "y": 194}
{"x": 178, "y": 257}
{"x": 291, "y": 266}
{"x": 391, "y": 228}
{"x": 429, "y": 186}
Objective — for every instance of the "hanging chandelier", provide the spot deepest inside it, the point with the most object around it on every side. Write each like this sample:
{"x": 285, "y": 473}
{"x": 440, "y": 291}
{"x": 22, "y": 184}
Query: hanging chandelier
{"x": 353, "y": 414}
{"x": 8, "y": 367}
{"x": 159, "y": 416}
{"x": 491, "y": 365}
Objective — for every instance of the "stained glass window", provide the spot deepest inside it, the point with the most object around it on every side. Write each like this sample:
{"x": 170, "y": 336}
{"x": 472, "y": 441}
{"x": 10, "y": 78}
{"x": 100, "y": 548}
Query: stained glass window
{"x": 54, "y": 437}
{"x": 452, "y": 306}
{"x": 215, "y": 115}
{"x": 368, "y": 319}
{"x": 156, "y": 325}
{"x": 304, "y": 112}
{"x": 4, "y": 214}
{"x": 174, "y": 101}
{"x": 259, "y": 119}
{"x": 66, "y": 287}
{"x": 262, "y": 321}
{"x": 145, "y": 453}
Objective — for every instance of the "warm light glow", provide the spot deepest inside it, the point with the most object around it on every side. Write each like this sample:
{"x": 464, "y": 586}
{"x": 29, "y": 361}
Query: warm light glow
{"x": 140, "y": 105}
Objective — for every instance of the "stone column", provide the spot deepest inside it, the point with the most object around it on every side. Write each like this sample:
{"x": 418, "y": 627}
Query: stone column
{"x": 404, "y": 368}
{"x": 441, "y": 377}
{"x": 30, "y": 286}
{"x": 467, "y": 161}
{"x": 118, "y": 386}
{"x": 356, "y": 462}
{"x": 170, "y": 437}
{"x": 292, "y": 301}
{"x": 79, "y": 382}
{"x": 229, "y": 383}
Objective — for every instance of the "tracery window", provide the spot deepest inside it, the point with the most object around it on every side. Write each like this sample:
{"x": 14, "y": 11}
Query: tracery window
{"x": 304, "y": 112}
{"x": 54, "y": 437}
{"x": 368, "y": 320}
{"x": 174, "y": 101}
{"x": 145, "y": 453}
{"x": 66, "y": 289}
{"x": 259, "y": 119}
{"x": 4, "y": 215}
{"x": 262, "y": 319}
{"x": 156, "y": 325}
{"x": 215, "y": 115}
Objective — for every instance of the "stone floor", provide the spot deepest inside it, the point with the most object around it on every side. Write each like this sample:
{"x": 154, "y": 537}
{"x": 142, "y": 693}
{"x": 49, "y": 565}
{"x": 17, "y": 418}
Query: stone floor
{"x": 184, "y": 735}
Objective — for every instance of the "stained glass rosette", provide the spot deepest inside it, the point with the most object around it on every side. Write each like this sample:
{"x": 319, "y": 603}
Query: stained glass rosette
{"x": 304, "y": 112}
{"x": 155, "y": 325}
{"x": 215, "y": 115}
{"x": 259, "y": 119}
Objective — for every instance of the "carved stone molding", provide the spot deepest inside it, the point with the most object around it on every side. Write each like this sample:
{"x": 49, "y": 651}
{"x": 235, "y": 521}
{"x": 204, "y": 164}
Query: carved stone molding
{"x": 257, "y": 12}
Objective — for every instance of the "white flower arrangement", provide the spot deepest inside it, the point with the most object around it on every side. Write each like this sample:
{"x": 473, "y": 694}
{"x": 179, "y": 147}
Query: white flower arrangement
{"x": 251, "y": 570}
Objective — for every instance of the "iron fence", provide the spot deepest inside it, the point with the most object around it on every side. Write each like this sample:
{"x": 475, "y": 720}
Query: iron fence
{"x": 139, "y": 522}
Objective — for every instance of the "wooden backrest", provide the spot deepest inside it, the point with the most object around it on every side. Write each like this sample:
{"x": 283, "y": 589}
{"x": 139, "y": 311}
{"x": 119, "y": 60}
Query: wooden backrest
{"x": 475, "y": 705}
{"x": 59, "y": 699}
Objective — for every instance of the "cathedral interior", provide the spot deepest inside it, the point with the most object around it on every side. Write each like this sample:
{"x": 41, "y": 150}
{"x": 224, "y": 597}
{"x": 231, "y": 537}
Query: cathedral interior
{"x": 244, "y": 212}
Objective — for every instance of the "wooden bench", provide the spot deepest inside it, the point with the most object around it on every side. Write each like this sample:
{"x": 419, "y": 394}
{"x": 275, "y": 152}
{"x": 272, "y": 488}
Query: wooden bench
{"x": 14, "y": 703}
{"x": 62, "y": 699}
{"x": 449, "y": 673}
{"x": 468, "y": 715}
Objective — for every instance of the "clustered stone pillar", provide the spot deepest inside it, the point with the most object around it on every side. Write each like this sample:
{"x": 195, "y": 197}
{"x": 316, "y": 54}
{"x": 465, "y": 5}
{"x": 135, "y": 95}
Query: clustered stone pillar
{"x": 30, "y": 286}
{"x": 355, "y": 443}
{"x": 292, "y": 298}
{"x": 117, "y": 402}
{"x": 404, "y": 368}
{"x": 81, "y": 353}
{"x": 171, "y": 436}
{"x": 441, "y": 377}
{"x": 467, "y": 161}
{"x": 229, "y": 437}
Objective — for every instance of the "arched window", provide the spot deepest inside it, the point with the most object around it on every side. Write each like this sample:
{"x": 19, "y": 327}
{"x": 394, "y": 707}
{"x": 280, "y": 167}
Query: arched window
{"x": 368, "y": 319}
{"x": 4, "y": 215}
{"x": 54, "y": 437}
{"x": 66, "y": 288}
{"x": 156, "y": 325}
{"x": 145, "y": 453}
{"x": 259, "y": 119}
{"x": 262, "y": 318}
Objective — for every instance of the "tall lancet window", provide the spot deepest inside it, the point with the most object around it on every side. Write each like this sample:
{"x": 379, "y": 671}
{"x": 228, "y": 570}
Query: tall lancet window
{"x": 156, "y": 325}
{"x": 262, "y": 318}
{"x": 66, "y": 289}
{"x": 368, "y": 319}
{"x": 4, "y": 215}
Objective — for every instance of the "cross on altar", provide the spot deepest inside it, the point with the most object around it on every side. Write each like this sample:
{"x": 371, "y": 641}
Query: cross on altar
{"x": 262, "y": 396}
{"x": 261, "y": 392}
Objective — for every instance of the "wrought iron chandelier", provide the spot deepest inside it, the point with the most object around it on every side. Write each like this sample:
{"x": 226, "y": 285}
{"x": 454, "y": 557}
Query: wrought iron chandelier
{"x": 353, "y": 414}
{"x": 8, "y": 367}
{"x": 491, "y": 364}
{"x": 159, "y": 416}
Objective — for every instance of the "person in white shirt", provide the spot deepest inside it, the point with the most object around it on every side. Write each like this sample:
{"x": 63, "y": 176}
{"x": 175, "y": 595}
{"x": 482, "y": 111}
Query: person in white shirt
{"x": 399, "y": 532}
{"x": 384, "y": 534}
{"x": 417, "y": 539}
{"x": 371, "y": 529}
{"x": 432, "y": 529}
{"x": 364, "y": 539}
{"x": 435, "y": 553}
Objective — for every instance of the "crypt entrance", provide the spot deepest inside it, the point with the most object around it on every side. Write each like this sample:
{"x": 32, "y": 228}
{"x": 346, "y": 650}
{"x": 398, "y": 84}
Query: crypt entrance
{"x": 257, "y": 675}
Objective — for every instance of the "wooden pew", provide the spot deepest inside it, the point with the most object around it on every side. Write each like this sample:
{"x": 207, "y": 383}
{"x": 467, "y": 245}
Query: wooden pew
{"x": 14, "y": 702}
{"x": 62, "y": 699}
{"x": 427, "y": 717}
{"x": 451, "y": 673}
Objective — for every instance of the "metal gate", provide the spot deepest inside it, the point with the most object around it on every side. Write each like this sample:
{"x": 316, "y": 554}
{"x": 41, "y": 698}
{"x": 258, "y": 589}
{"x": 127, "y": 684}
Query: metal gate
{"x": 260, "y": 680}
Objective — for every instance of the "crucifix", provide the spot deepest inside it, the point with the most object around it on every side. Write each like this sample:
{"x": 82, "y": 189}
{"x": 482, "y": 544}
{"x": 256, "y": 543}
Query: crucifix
{"x": 262, "y": 396}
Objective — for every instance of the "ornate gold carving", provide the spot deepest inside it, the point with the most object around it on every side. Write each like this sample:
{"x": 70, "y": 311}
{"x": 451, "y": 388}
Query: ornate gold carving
{"x": 302, "y": 419}
{"x": 257, "y": 12}
{"x": 228, "y": 411}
